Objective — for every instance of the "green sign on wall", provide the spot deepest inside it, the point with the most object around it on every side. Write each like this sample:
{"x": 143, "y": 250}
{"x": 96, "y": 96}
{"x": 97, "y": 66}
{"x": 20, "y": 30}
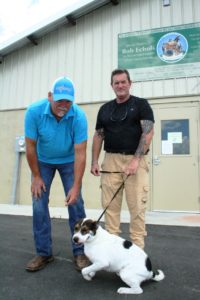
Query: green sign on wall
{"x": 169, "y": 52}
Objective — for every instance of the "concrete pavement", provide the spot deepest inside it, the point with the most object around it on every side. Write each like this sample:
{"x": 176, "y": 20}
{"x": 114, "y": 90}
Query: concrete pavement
{"x": 174, "y": 249}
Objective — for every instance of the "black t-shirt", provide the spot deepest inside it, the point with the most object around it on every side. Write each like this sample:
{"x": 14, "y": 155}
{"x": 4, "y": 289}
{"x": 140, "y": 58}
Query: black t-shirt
{"x": 121, "y": 123}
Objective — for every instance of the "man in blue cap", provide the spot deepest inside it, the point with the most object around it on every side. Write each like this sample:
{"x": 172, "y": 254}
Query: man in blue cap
{"x": 56, "y": 139}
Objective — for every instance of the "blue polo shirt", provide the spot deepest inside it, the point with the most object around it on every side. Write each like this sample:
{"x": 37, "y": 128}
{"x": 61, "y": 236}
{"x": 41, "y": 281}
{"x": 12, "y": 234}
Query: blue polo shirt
{"x": 55, "y": 140}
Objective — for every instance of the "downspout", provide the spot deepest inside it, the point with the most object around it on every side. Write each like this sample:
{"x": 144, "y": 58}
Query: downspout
{"x": 19, "y": 149}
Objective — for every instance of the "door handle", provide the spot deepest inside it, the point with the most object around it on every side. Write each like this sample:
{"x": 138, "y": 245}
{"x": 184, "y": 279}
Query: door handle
{"x": 156, "y": 161}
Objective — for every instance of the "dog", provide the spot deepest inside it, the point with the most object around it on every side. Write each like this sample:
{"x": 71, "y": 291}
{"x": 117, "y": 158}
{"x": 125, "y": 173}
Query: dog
{"x": 112, "y": 253}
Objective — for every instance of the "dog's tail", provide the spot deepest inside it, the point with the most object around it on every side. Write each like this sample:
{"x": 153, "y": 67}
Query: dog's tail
{"x": 158, "y": 275}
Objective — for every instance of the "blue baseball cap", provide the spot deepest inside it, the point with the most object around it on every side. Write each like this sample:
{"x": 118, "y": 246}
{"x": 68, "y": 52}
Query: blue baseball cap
{"x": 63, "y": 89}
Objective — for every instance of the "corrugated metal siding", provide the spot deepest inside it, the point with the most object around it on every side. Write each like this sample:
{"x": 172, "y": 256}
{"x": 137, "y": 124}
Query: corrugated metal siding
{"x": 88, "y": 52}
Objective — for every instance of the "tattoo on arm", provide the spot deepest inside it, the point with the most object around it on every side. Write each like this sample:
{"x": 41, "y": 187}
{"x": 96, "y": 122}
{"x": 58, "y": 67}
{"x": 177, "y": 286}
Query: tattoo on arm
{"x": 140, "y": 149}
{"x": 143, "y": 147}
{"x": 147, "y": 126}
{"x": 100, "y": 133}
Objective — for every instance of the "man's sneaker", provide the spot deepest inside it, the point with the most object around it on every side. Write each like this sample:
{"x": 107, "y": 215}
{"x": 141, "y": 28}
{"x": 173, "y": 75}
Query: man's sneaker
{"x": 38, "y": 263}
{"x": 81, "y": 261}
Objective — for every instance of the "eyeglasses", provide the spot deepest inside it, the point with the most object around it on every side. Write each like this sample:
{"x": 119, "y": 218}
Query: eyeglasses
{"x": 116, "y": 117}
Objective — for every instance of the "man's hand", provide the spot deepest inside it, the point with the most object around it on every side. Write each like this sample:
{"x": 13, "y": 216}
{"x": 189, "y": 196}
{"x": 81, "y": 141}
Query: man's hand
{"x": 95, "y": 169}
{"x": 96, "y": 149}
{"x": 132, "y": 168}
{"x": 72, "y": 196}
{"x": 37, "y": 186}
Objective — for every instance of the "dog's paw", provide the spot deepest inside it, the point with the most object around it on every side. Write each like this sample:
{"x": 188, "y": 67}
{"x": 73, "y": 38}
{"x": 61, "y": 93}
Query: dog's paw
{"x": 125, "y": 290}
{"x": 92, "y": 274}
{"x": 86, "y": 275}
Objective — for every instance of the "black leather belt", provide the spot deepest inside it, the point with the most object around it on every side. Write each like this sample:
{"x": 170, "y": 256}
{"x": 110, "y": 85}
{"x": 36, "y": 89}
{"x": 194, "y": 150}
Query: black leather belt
{"x": 121, "y": 152}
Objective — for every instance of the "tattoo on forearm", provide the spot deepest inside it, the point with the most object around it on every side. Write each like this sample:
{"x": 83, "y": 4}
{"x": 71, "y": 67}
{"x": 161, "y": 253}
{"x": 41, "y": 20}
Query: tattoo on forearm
{"x": 100, "y": 133}
{"x": 147, "y": 126}
{"x": 143, "y": 146}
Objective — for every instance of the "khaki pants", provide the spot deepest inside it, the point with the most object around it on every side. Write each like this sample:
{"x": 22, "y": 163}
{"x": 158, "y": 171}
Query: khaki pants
{"x": 136, "y": 189}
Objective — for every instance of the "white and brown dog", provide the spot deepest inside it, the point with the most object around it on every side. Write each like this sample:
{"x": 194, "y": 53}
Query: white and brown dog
{"x": 114, "y": 254}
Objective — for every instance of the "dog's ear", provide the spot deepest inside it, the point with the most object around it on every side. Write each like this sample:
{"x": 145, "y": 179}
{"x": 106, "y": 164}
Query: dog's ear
{"x": 78, "y": 224}
{"x": 95, "y": 225}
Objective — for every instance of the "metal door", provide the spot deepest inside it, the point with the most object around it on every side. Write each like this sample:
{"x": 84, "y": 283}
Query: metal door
{"x": 175, "y": 165}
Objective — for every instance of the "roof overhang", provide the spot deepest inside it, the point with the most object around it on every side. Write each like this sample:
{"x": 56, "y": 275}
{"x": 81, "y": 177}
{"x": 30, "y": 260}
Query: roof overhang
{"x": 67, "y": 16}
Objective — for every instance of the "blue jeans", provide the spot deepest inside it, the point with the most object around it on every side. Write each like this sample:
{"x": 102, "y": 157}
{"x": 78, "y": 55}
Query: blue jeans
{"x": 41, "y": 217}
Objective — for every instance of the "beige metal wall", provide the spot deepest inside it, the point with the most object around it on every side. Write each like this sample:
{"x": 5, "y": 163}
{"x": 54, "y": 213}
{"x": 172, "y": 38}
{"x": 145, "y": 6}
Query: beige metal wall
{"x": 87, "y": 53}
{"x": 11, "y": 123}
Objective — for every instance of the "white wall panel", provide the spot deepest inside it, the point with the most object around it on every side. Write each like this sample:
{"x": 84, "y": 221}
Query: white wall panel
{"x": 116, "y": 29}
{"x": 124, "y": 14}
{"x": 157, "y": 87}
{"x": 188, "y": 11}
{"x": 145, "y": 15}
{"x": 168, "y": 87}
{"x": 25, "y": 74}
{"x": 37, "y": 60}
{"x": 196, "y": 10}
{"x": 107, "y": 53}
{"x": 177, "y": 13}
{"x": 97, "y": 71}
{"x": 88, "y": 67}
{"x": 193, "y": 86}
{"x": 155, "y": 9}
{"x": 147, "y": 89}
{"x": 69, "y": 58}
{"x": 180, "y": 86}
{"x": 79, "y": 59}
{"x": 88, "y": 52}
{"x": 165, "y": 15}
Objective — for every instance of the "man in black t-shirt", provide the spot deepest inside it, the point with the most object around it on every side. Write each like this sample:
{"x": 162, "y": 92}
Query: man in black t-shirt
{"x": 125, "y": 127}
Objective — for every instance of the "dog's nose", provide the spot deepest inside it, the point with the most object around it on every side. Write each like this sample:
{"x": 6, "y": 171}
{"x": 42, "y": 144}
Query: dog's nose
{"x": 75, "y": 239}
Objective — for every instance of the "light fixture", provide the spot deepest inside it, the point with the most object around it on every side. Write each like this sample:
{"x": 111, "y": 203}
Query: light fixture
{"x": 166, "y": 2}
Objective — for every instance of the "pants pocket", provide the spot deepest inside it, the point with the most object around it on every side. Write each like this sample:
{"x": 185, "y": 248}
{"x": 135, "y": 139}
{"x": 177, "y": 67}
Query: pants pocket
{"x": 144, "y": 163}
